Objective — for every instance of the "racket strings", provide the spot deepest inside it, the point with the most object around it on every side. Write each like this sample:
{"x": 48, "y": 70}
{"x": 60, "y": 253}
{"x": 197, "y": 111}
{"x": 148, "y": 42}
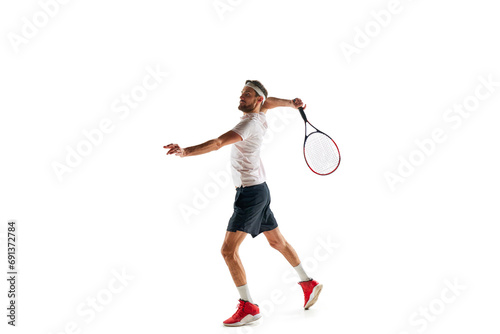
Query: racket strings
{"x": 321, "y": 153}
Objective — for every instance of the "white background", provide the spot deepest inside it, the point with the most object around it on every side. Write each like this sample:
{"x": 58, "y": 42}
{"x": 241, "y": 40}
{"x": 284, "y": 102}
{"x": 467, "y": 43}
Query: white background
{"x": 120, "y": 208}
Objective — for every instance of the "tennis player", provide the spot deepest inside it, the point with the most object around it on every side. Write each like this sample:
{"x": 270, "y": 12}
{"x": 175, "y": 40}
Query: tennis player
{"x": 252, "y": 213}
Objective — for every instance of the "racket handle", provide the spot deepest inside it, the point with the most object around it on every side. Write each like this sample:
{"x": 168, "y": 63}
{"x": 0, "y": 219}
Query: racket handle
{"x": 303, "y": 114}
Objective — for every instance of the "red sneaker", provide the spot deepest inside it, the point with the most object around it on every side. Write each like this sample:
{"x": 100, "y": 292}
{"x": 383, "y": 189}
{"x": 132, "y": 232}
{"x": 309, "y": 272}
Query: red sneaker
{"x": 247, "y": 312}
{"x": 311, "y": 292}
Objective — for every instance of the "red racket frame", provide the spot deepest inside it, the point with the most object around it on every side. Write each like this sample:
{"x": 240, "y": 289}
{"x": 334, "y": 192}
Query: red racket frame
{"x": 302, "y": 113}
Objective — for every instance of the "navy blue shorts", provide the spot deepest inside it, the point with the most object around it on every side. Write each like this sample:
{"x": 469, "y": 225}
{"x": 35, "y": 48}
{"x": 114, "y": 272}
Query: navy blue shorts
{"x": 252, "y": 213}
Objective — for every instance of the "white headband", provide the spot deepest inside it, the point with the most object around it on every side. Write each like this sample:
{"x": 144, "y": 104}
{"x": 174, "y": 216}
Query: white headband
{"x": 257, "y": 90}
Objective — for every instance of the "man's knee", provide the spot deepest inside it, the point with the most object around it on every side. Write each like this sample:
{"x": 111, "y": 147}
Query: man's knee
{"x": 227, "y": 251}
{"x": 279, "y": 244}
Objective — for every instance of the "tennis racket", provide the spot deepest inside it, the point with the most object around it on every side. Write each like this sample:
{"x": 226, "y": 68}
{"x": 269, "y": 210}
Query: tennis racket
{"x": 320, "y": 151}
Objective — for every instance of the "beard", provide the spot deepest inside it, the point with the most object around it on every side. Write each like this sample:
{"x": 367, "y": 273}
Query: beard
{"x": 247, "y": 108}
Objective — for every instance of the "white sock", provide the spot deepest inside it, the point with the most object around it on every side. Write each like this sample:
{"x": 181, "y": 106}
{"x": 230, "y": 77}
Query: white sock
{"x": 244, "y": 293}
{"x": 302, "y": 274}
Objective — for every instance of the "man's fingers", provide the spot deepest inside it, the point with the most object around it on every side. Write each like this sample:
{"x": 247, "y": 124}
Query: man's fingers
{"x": 297, "y": 102}
{"x": 173, "y": 150}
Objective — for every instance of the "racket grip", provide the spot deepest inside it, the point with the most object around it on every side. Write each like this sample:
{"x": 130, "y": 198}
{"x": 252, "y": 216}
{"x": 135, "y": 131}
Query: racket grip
{"x": 303, "y": 114}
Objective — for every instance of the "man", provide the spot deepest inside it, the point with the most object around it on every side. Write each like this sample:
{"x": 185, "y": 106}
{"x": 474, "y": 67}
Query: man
{"x": 252, "y": 213}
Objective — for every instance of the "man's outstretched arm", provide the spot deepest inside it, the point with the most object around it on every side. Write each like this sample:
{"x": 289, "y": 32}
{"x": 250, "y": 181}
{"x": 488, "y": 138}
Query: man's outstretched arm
{"x": 227, "y": 138}
{"x": 273, "y": 102}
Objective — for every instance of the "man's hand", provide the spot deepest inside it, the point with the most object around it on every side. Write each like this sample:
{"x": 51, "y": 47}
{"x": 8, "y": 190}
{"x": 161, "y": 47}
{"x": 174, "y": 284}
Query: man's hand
{"x": 175, "y": 149}
{"x": 227, "y": 138}
{"x": 297, "y": 103}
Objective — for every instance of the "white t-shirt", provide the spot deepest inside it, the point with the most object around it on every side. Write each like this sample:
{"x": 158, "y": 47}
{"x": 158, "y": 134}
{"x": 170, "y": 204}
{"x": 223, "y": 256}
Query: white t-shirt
{"x": 246, "y": 166}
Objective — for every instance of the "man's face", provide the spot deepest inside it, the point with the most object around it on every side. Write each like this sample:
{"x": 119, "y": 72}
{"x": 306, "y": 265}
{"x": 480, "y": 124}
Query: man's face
{"x": 248, "y": 100}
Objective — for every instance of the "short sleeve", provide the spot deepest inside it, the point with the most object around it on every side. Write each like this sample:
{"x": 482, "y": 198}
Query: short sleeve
{"x": 245, "y": 128}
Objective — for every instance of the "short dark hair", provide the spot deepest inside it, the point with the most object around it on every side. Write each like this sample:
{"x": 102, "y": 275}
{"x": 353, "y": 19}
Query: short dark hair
{"x": 258, "y": 84}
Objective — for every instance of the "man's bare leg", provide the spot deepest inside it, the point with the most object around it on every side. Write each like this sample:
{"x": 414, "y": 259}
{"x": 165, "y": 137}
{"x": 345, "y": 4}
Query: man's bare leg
{"x": 277, "y": 241}
{"x": 311, "y": 287}
{"x": 247, "y": 311}
{"x": 229, "y": 251}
